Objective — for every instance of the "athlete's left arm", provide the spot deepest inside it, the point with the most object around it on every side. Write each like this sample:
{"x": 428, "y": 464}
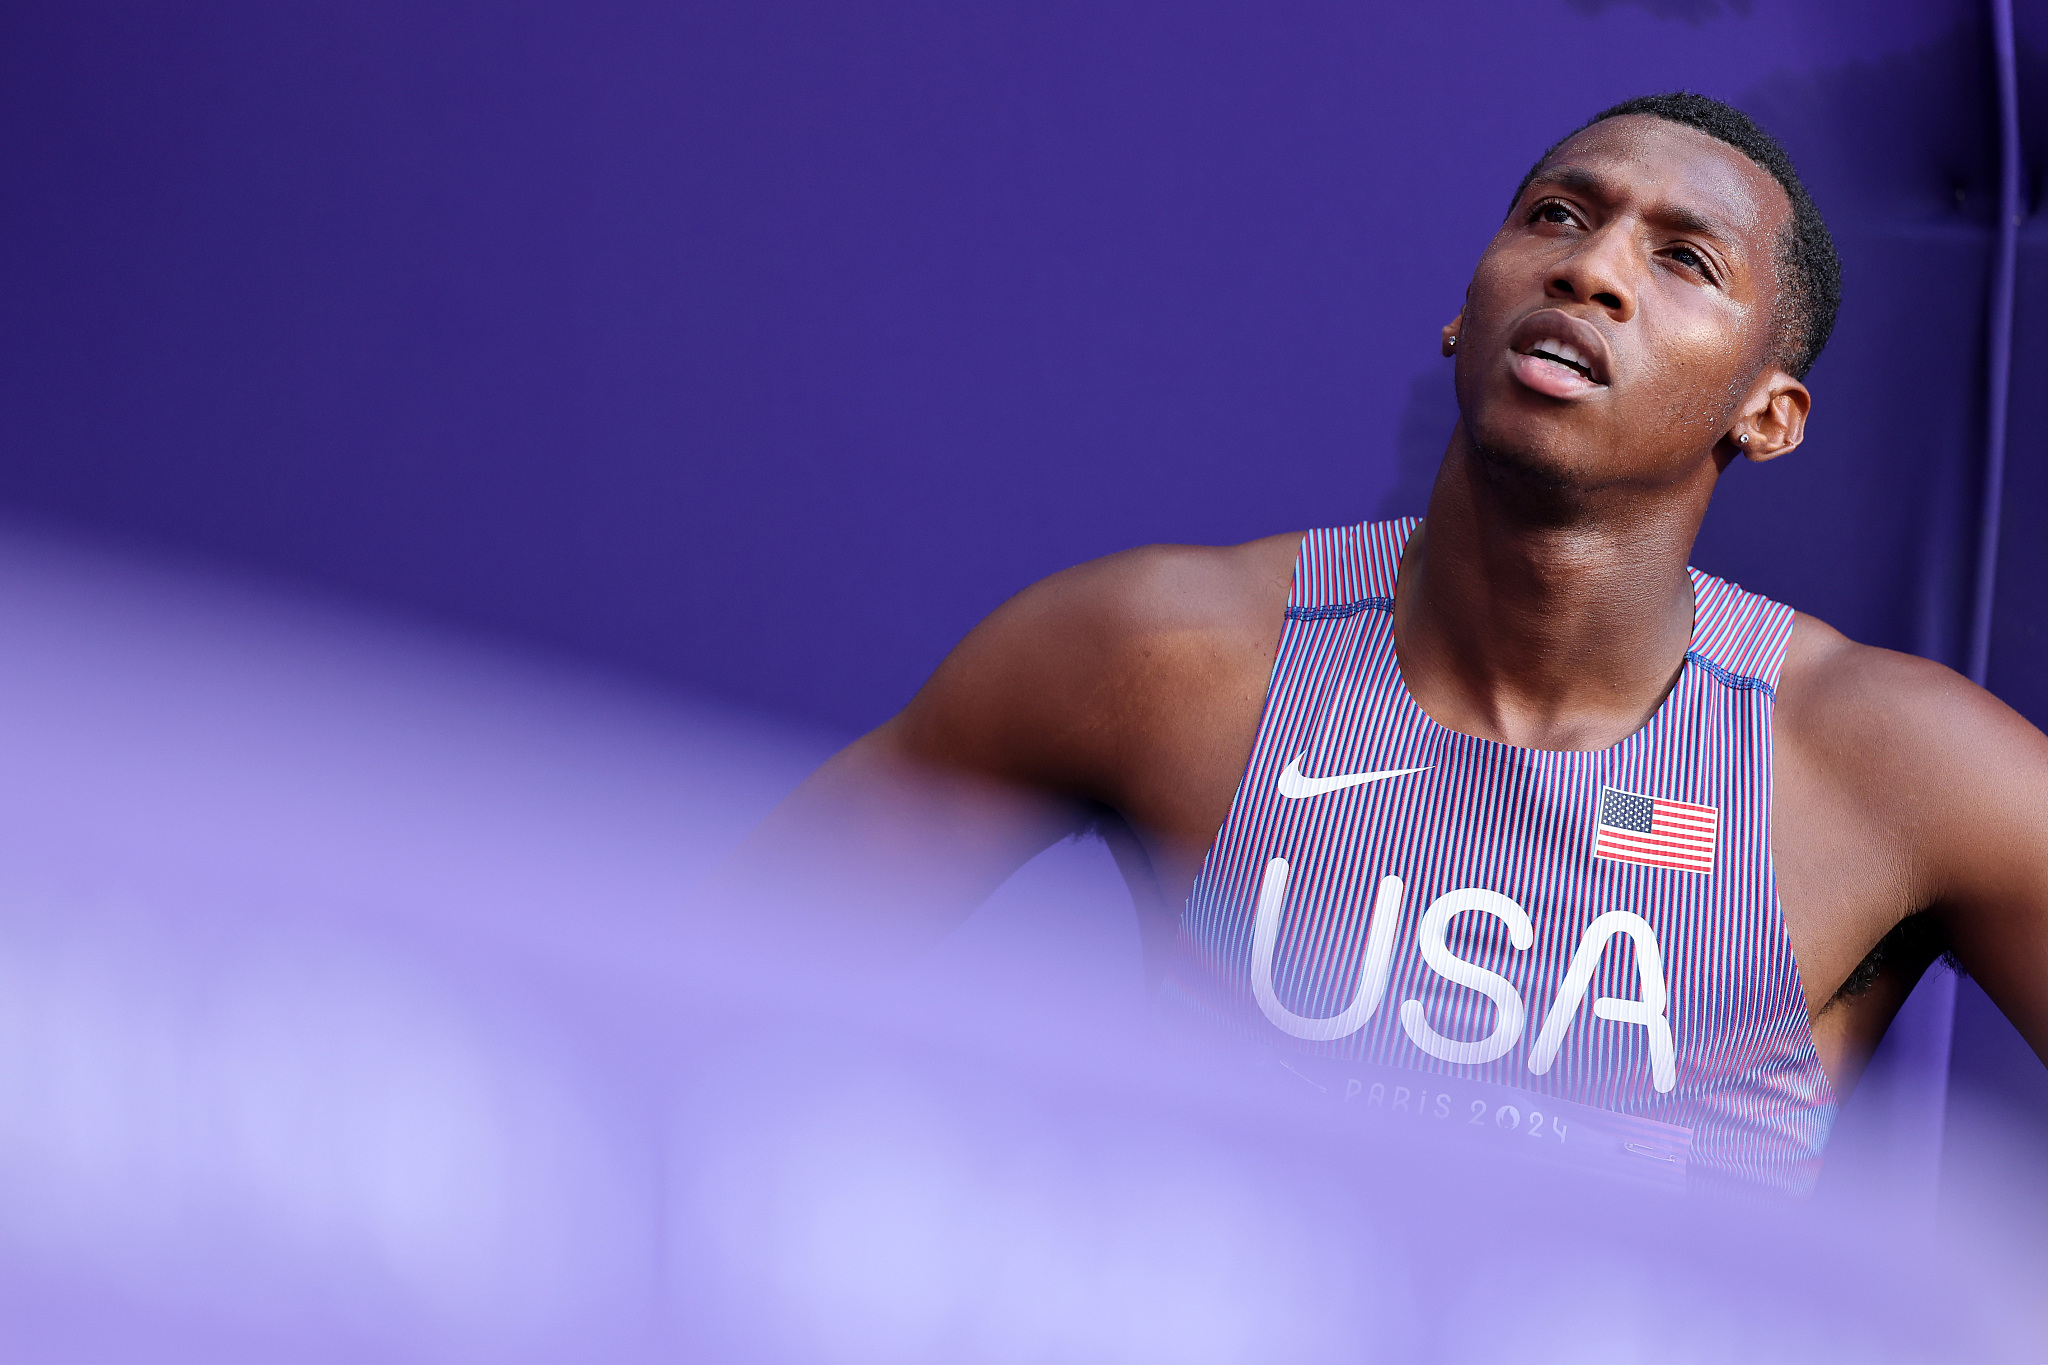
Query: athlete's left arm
{"x": 1960, "y": 779}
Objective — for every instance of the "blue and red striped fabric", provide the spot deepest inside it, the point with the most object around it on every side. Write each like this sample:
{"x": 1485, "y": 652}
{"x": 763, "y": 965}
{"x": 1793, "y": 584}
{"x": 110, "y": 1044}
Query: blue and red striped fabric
{"x": 1656, "y": 992}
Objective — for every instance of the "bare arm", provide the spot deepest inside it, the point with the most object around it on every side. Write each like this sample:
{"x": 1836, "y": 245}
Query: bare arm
{"x": 1911, "y": 789}
{"x": 1131, "y": 684}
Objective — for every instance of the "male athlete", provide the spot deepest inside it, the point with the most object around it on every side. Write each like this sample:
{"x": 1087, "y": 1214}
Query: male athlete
{"x": 1507, "y": 801}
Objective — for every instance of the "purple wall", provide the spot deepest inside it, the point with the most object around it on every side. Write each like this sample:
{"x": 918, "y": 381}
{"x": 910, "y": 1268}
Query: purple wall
{"x": 766, "y": 347}
{"x": 763, "y": 348}
{"x": 1998, "y": 1111}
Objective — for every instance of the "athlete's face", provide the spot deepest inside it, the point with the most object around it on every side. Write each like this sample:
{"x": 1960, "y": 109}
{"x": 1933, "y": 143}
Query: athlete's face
{"x": 1620, "y": 329}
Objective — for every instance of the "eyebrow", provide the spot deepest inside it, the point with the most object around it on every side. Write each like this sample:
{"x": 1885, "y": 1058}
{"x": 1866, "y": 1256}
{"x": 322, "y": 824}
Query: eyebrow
{"x": 1579, "y": 180}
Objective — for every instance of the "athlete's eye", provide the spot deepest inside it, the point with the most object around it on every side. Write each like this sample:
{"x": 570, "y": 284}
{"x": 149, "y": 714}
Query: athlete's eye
{"x": 1691, "y": 260}
{"x": 1551, "y": 211}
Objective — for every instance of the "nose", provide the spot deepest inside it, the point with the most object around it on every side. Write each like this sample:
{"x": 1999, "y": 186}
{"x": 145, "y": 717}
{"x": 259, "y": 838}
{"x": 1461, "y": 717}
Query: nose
{"x": 1598, "y": 272}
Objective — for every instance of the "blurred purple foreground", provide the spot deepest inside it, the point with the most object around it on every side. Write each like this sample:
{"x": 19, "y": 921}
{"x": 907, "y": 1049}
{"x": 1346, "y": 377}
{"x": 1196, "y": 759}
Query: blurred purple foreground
{"x": 352, "y": 1007}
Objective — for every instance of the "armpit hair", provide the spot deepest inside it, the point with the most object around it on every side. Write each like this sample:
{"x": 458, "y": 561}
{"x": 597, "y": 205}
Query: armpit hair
{"x": 1913, "y": 943}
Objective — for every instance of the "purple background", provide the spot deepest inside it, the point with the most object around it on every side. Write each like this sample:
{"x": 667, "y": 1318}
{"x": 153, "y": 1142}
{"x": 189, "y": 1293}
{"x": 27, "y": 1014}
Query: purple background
{"x": 761, "y": 349}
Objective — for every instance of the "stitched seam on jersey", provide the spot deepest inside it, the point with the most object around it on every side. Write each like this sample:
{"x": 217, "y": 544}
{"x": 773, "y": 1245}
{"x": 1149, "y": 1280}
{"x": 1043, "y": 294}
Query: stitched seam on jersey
{"x": 1347, "y": 609}
{"x": 1739, "y": 680}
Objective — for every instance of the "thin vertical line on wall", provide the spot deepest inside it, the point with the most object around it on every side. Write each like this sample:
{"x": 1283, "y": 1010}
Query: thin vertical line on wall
{"x": 1934, "y": 1029}
{"x": 1999, "y": 353}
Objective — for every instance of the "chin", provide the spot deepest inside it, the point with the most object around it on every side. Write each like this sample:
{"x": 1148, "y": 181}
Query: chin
{"x": 1538, "y": 460}
{"x": 1521, "y": 434}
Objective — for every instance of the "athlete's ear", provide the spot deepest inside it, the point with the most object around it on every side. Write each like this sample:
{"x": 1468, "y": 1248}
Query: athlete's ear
{"x": 1773, "y": 421}
{"x": 1451, "y": 330}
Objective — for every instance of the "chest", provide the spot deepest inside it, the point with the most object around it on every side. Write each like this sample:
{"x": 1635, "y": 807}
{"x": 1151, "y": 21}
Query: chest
{"x": 1841, "y": 880}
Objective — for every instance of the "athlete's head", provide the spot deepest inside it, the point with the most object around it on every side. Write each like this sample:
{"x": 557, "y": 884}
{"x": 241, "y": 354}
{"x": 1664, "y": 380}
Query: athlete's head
{"x": 1658, "y": 291}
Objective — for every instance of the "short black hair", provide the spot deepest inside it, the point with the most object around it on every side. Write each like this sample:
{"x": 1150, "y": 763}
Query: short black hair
{"x": 1809, "y": 271}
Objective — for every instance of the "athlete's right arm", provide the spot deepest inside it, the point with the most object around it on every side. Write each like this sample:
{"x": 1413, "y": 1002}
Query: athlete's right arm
{"x": 1108, "y": 685}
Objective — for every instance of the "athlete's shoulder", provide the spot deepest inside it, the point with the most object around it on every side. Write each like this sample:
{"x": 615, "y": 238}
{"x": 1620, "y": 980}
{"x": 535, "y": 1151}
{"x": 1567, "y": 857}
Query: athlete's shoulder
{"x": 1058, "y": 683}
{"x": 1152, "y": 622}
{"x": 1168, "y": 590}
{"x": 1832, "y": 681}
{"x": 1898, "y": 728}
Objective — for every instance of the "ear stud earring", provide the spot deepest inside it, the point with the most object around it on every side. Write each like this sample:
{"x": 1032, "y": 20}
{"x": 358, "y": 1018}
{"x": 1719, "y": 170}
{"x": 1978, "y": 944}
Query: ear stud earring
{"x": 1744, "y": 438}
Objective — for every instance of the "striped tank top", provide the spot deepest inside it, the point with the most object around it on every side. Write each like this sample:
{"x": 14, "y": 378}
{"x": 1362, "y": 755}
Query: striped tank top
{"x": 1581, "y": 949}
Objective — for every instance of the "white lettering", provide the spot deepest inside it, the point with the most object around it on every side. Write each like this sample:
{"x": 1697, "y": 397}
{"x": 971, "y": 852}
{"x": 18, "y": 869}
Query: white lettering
{"x": 1648, "y": 1011}
{"x": 1507, "y": 1001}
{"x": 1372, "y": 972}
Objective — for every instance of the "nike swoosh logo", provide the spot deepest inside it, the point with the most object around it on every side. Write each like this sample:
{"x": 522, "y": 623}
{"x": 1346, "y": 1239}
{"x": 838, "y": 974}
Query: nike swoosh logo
{"x": 1296, "y": 787}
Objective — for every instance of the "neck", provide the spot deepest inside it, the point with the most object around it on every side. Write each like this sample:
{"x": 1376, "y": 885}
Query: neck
{"x": 1544, "y": 615}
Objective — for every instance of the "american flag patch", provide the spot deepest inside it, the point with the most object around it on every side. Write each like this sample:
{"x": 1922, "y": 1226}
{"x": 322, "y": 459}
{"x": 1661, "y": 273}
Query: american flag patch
{"x": 1653, "y": 833}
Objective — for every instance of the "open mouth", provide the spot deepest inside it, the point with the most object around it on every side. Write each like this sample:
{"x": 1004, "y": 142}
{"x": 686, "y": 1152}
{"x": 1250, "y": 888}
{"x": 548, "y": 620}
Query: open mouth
{"x": 1563, "y": 353}
{"x": 1560, "y": 356}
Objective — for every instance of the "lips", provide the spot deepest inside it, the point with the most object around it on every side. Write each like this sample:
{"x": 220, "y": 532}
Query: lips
{"x": 1559, "y": 355}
